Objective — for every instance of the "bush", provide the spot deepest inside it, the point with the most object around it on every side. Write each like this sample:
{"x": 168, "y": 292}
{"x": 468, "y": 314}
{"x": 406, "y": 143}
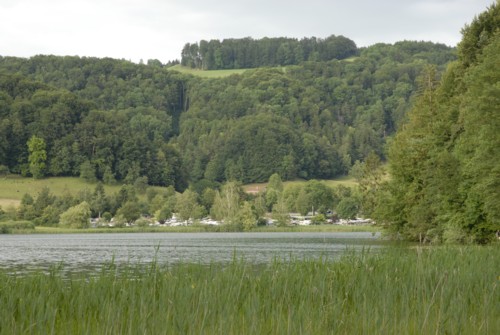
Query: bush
{"x": 318, "y": 219}
{"x": 77, "y": 216}
{"x": 142, "y": 222}
{"x": 8, "y": 226}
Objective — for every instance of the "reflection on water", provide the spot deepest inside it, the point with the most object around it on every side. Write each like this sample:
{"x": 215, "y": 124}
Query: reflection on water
{"x": 79, "y": 252}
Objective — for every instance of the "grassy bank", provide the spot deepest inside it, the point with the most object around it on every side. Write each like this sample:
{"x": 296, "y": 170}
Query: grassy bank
{"x": 196, "y": 229}
{"x": 452, "y": 290}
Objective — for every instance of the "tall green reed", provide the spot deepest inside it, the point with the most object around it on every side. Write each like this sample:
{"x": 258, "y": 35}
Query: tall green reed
{"x": 394, "y": 291}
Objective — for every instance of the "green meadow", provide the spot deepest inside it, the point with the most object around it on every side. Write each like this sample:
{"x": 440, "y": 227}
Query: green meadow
{"x": 13, "y": 187}
{"x": 205, "y": 73}
{"x": 397, "y": 290}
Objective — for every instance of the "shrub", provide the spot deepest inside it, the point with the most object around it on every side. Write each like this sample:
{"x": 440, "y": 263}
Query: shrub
{"x": 8, "y": 226}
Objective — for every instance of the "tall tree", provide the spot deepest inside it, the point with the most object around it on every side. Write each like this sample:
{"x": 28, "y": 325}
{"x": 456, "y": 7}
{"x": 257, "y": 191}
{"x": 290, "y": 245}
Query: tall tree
{"x": 37, "y": 156}
{"x": 444, "y": 161}
{"x": 227, "y": 203}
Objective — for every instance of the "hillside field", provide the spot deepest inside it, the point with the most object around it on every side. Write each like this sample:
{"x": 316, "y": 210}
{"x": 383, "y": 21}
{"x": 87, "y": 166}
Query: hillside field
{"x": 204, "y": 73}
{"x": 12, "y": 188}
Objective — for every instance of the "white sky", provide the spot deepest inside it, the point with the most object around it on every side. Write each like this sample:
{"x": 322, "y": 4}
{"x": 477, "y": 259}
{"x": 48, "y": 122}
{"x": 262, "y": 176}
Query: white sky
{"x": 158, "y": 29}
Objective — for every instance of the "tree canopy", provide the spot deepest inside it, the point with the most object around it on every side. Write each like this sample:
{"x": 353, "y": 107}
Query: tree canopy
{"x": 444, "y": 163}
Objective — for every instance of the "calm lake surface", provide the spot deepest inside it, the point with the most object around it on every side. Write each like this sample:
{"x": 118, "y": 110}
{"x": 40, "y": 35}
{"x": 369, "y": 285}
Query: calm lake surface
{"x": 83, "y": 252}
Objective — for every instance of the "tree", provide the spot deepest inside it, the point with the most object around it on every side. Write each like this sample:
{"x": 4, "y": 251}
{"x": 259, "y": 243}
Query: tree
{"x": 100, "y": 202}
{"x": 273, "y": 190}
{"x": 348, "y": 208}
{"x": 280, "y": 212}
{"x": 320, "y": 196}
{"x": 141, "y": 184}
{"x": 247, "y": 217}
{"x": 227, "y": 203}
{"x": 87, "y": 172}
{"x": 444, "y": 162}
{"x": 77, "y": 216}
{"x": 187, "y": 206}
{"x": 108, "y": 177}
{"x": 369, "y": 175}
{"x": 303, "y": 202}
{"x": 163, "y": 214}
{"x": 130, "y": 211}
{"x": 37, "y": 156}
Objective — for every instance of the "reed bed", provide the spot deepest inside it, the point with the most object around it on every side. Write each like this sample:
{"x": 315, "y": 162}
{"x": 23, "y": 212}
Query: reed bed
{"x": 442, "y": 290}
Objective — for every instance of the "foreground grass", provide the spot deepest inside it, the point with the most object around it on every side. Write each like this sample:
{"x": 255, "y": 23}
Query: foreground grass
{"x": 452, "y": 290}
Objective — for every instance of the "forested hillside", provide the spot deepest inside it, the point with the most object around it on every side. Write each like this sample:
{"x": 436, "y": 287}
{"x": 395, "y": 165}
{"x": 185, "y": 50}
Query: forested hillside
{"x": 445, "y": 162}
{"x": 112, "y": 120}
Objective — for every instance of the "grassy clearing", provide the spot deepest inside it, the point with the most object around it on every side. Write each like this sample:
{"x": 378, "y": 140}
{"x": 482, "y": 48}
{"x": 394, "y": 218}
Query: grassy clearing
{"x": 205, "y": 73}
{"x": 13, "y": 187}
{"x": 7, "y": 203}
{"x": 350, "y": 59}
{"x": 452, "y": 290}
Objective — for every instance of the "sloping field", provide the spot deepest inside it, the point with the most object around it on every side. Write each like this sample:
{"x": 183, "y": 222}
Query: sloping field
{"x": 12, "y": 188}
{"x": 204, "y": 73}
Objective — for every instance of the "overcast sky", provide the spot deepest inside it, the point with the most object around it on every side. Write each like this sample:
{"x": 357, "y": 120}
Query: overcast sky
{"x": 158, "y": 29}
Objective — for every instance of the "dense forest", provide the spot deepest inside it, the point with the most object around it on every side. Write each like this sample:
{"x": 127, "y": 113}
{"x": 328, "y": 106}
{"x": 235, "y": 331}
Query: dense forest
{"x": 445, "y": 162}
{"x": 110, "y": 119}
{"x": 249, "y": 53}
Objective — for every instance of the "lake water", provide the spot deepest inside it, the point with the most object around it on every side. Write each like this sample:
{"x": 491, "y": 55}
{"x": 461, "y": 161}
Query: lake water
{"x": 82, "y": 252}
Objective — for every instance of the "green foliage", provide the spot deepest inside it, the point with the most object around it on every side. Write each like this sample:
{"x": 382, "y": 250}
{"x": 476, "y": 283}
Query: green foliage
{"x": 4, "y": 170}
{"x": 163, "y": 214}
{"x": 445, "y": 179}
{"x": 87, "y": 172}
{"x": 273, "y": 190}
{"x": 227, "y": 202}
{"x": 77, "y": 216}
{"x": 348, "y": 208}
{"x": 247, "y": 216}
{"x": 8, "y": 227}
{"x": 318, "y": 219}
{"x": 250, "y": 53}
{"x": 320, "y": 196}
{"x": 310, "y": 121}
{"x": 130, "y": 211}
{"x": 37, "y": 156}
{"x": 187, "y": 206}
{"x": 369, "y": 175}
{"x": 281, "y": 212}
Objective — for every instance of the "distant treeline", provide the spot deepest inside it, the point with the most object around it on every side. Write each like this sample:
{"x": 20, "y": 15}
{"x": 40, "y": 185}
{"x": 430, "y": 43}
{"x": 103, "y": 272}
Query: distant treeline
{"x": 249, "y": 53}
